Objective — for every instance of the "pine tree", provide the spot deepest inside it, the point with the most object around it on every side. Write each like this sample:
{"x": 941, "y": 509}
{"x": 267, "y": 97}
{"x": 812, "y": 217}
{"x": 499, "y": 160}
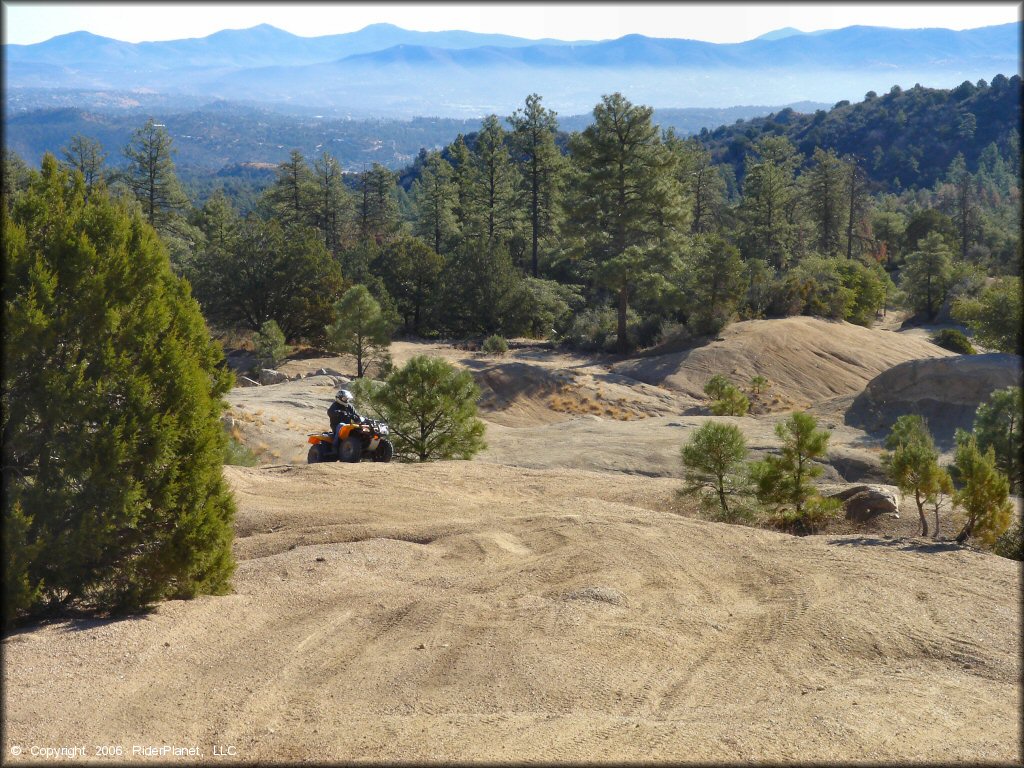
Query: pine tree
{"x": 292, "y": 196}
{"x": 627, "y": 211}
{"x": 965, "y": 207}
{"x": 784, "y": 481}
{"x": 333, "y": 209}
{"x": 464, "y": 179}
{"x": 913, "y": 464}
{"x": 999, "y": 424}
{"x": 495, "y": 193}
{"x": 926, "y": 276}
{"x": 218, "y": 221}
{"x": 270, "y": 345}
{"x": 435, "y": 200}
{"x": 268, "y": 274}
{"x": 359, "y": 329}
{"x": 702, "y": 181}
{"x": 430, "y": 408}
{"x": 86, "y": 156}
{"x": 716, "y": 283}
{"x": 713, "y": 457}
{"x": 376, "y": 205}
{"x": 825, "y": 186}
{"x": 152, "y": 178}
{"x": 984, "y": 493}
{"x": 111, "y": 401}
{"x": 541, "y": 169}
{"x": 857, "y": 207}
{"x": 769, "y": 197}
{"x": 995, "y": 315}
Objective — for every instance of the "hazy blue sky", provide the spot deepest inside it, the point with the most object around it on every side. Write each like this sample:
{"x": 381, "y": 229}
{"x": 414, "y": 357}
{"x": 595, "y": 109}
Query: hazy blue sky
{"x": 32, "y": 22}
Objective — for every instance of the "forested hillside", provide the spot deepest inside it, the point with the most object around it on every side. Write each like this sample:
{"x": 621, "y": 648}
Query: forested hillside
{"x": 904, "y": 138}
{"x": 617, "y": 236}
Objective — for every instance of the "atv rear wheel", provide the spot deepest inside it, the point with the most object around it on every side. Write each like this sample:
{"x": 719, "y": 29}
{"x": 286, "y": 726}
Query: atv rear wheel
{"x": 315, "y": 455}
{"x": 351, "y": 450}
{"x": 385, "y": 450}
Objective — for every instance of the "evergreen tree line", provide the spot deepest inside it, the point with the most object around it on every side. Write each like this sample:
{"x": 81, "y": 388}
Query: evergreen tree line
{"x": 625, "y": 236}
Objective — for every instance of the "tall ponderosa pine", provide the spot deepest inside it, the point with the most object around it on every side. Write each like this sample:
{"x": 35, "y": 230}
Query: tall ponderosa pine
{"x": 332, "y": 209}
{"x": 435, "y": 197}
{"x": 112, "y": 444}
{"x": 627, "y": 210}
{"x": 966, "y": 213}
{"x": 701, "y": 179}
{"x": 541, "y": 169}
{"x": 857, "y": 208}
{"x": 826, "y": 183}
{"x": 495, "y": 193}
{"x": 151, "y": 176}
{"x": 463, "y": 177}
{"x": 769, "y": 198}
{"x": 86, "y": 156}
{"x": 376, "y": 205}
{"x": 292, "y": 196}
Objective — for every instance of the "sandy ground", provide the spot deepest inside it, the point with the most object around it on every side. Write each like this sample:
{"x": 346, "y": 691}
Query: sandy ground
{"x": 545, "y": 602}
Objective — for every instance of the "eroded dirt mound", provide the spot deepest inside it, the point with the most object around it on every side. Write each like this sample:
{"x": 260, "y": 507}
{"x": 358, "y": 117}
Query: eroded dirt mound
{"x": 947, "y": 392}
{"x": 805, "y": 359}
{"x": 465, "y": 611}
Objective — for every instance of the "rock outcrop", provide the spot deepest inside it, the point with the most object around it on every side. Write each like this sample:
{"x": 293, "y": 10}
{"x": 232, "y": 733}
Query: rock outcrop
{"x": 946, "y": 391}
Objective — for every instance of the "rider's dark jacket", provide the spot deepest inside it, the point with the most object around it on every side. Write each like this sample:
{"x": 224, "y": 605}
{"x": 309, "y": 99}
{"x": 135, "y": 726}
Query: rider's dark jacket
{"x": 342, "y": 414}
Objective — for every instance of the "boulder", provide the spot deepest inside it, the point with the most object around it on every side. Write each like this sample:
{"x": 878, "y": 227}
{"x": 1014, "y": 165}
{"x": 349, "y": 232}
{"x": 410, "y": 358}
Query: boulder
{"x": 245, "y": 381}
{"x": 270, "y": 376}
{"x": 866, "y": 502}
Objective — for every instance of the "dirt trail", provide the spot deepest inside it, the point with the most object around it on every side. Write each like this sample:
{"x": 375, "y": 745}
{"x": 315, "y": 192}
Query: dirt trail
{"x": 544, "y": 602}
{"x": 480, "y": 612}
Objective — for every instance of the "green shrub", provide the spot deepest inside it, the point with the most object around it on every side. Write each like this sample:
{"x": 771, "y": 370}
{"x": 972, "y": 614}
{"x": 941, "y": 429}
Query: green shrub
{"x": 954, "y": 341}
{"x": 238, "y": 454}
{"x": 1011, "y": 543}
{"x": 759, "y": 384}
{"x": 716, "y": 386}
{"x": 495, "y": 345}
{"x": 112, "y": 394}
{"x": 731, "y": 403}
{"x": 596, "y": 329}
{"x": 271, "y": 349}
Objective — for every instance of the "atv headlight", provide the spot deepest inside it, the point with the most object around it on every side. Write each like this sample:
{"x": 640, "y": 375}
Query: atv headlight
{"x": 384, "y": 429}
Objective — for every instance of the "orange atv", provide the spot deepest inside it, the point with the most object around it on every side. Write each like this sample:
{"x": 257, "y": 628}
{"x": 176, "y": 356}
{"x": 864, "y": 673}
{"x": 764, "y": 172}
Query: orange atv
{"x": 367, "y": 438}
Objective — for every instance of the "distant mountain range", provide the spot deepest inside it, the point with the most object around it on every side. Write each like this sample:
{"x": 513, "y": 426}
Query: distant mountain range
{"x": 387, "y": 71}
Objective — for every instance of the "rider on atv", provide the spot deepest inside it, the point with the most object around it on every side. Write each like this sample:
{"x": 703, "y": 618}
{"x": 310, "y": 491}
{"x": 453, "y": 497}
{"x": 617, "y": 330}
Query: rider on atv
{"x": 341, "y": 411}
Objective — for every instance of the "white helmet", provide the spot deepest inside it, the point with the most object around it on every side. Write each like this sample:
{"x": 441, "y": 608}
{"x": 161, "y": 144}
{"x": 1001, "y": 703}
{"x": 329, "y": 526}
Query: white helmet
{"x": 344, "y": 397}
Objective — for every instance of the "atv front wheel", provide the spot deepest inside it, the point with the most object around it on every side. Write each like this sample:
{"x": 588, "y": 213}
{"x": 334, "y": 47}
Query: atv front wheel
{"x": 385, "y": 450}
{"x": 351, "y": 450}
